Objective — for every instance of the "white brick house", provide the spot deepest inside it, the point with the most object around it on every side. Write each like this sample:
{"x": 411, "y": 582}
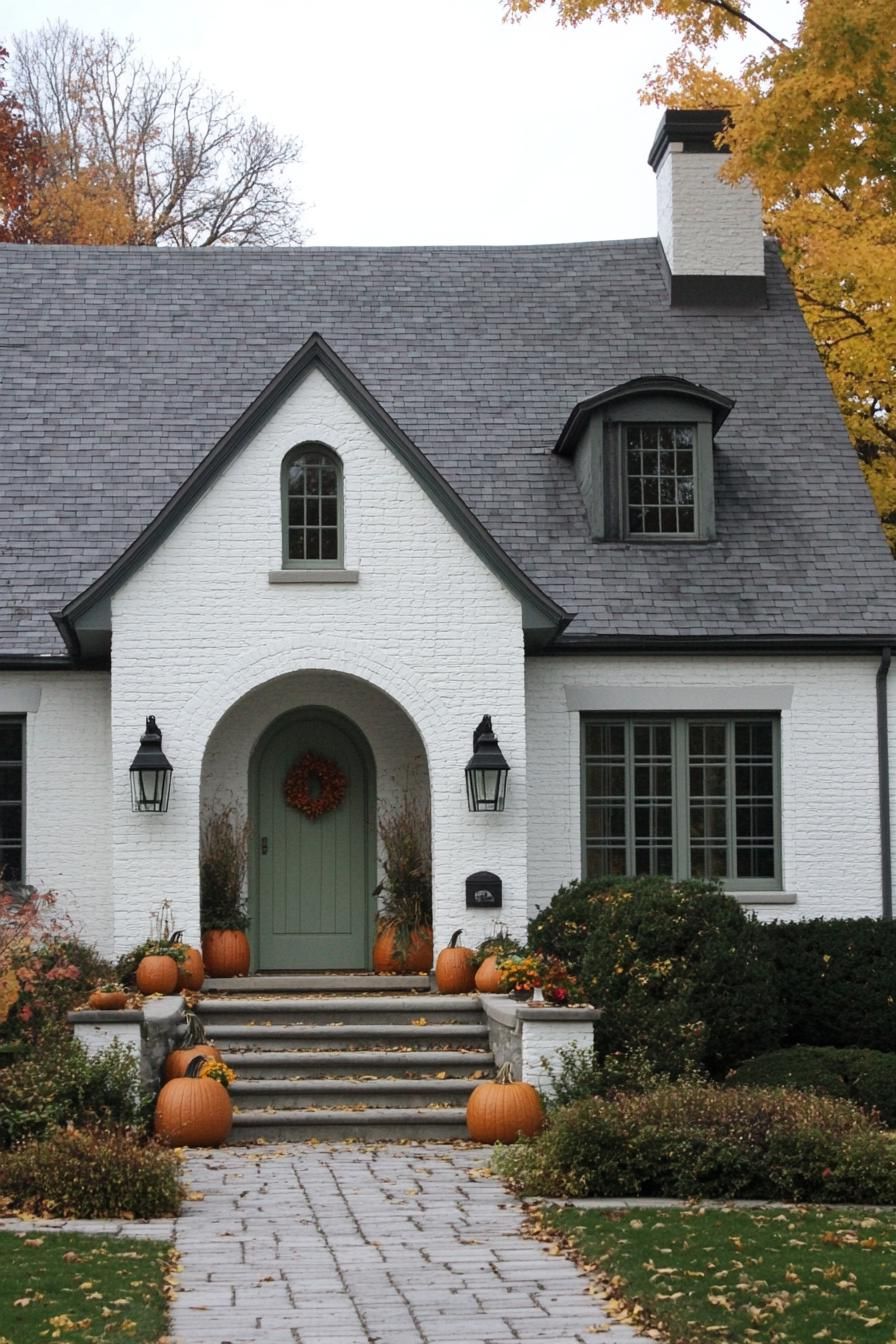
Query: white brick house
{"x": 354, "y": 499}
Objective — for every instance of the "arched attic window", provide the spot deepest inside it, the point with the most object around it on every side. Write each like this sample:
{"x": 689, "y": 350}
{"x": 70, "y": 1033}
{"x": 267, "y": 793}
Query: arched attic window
{"x": 311, "y": 491}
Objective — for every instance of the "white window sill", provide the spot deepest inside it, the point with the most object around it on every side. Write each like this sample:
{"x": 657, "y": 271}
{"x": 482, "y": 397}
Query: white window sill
{"x": 765, "y": 897}
{"x": 313, "y": 576}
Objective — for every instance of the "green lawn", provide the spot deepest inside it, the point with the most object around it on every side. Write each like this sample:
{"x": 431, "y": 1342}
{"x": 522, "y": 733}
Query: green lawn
{"x": 77, "y": 1290}
{"x": 760, "y": 1276}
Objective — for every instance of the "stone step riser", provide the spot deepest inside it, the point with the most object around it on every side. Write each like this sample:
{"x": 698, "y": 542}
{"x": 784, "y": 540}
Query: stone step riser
{"x": 363, "y": 1063}
{"x": 273, "y": 1015}
{"x": 357, "y": 983}
{"x": 293, "y": 1126}
{"x": 376, "y": 1094}
{"x": 261, "y": 1038}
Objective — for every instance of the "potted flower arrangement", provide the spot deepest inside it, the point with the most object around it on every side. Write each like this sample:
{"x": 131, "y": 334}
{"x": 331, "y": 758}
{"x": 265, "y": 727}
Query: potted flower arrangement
{"x": 524, "y": 972}
{"x": 223, "y": 858}
{"x": 490, "y": 951}
{"x": 404, "y": 927}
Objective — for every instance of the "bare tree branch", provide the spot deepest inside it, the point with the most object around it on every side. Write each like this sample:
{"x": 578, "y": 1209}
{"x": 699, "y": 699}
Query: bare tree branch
{"x": 190, "y": 167}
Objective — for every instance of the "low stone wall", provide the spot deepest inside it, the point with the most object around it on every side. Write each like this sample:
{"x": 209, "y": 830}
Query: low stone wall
{"x": 151, "y": 1032}
{"x": 529, "y": 1039}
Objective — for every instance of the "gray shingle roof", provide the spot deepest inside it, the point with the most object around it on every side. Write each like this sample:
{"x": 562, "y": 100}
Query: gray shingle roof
{"x": 123, "y": 367}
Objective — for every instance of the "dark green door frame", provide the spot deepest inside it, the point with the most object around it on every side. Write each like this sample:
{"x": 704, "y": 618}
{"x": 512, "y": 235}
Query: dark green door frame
{"x": 312, "y": 714}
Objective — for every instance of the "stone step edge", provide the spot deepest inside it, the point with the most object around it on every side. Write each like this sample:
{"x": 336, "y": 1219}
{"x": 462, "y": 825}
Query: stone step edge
{"x": 358, "y": 1058}
{"x": 380, "y": 1003}
{"x": 398, "y": 1115}
{"x": 374, "y": 1086}
{"x": 364, "y": 982}
{"x": 354, "y": 1030}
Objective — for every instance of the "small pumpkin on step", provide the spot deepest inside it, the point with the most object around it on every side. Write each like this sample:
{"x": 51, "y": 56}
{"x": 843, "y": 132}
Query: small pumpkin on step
{"x": 454, "y": 967}
{"x": 502, "y": 1111}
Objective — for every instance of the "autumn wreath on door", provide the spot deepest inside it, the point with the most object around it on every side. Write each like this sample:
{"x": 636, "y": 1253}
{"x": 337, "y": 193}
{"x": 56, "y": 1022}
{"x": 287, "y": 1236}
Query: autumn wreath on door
{"x": 314, "y": 786}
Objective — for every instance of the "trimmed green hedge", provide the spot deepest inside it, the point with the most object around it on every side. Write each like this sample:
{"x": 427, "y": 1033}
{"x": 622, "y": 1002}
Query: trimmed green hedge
{"x": 836, "y": 980}
{"x": 108, "y": 1173}
{"x": 867, "y": 1077}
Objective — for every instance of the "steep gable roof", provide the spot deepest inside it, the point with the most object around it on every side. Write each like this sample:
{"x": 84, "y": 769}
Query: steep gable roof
{"x": 543, "y": 617}
{"x": 123, "y": 367}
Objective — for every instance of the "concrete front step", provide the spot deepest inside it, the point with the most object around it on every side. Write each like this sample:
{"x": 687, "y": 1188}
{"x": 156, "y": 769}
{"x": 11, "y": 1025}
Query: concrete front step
{"x": 363, "y": 1063}
{"x": 397, "y": 1009}
{"x": 374, "y": 1093}
{"x": 354, "y": 982}
{"x": 419, "y": 1123}
{"x": 364, "y": 1036}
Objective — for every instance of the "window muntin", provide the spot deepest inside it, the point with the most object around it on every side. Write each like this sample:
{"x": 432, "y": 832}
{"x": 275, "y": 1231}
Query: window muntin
{"x": 659, "y": 463}
{"x": 312, "y": 506}
{"x": 683, "y": 796}
{"x": 12, "y": 798}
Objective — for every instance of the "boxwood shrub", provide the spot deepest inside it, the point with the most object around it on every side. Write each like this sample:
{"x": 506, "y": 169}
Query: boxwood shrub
{"x": 867, "y": 1077}
{"x": 691, "y": 1140}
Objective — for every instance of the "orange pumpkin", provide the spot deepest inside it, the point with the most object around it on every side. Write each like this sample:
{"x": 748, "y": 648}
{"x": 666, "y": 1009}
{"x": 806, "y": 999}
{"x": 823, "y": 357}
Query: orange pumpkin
{"x": 386, "y": 960}
{"x": 179, "y": 1061}
{"x": 107, "y": 1000}
{"x": 488, "y": 978}
{"x": 501, "y": 1111}
{"x": 454, "y": 967}
{"x": 226, "y": 952}
{"x": 191, "y": 972}
{"x": 157, "y": 975}
{"x": 192, "y": 1111}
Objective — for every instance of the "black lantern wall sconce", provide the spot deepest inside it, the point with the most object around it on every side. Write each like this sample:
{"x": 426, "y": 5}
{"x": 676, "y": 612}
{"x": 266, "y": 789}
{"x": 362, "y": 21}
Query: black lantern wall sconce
{"x": 150, "y": 772}
{"x": 486, "y": 771}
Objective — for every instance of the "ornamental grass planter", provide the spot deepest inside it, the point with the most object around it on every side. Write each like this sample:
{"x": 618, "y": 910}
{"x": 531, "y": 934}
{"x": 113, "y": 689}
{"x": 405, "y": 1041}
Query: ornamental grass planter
{"x": 226, "y": 952}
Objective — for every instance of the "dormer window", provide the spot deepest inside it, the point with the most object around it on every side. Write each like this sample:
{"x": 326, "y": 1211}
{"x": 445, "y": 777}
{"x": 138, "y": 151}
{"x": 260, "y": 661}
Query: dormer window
{"x": 643, "y": 459}
{"x": 312, "y": 508}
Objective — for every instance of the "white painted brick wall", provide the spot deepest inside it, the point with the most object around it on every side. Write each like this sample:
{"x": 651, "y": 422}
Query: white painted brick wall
{"x": 707, "y": 226}
{"x": 428, "y": 625}
{"x": 68, "y": 791}
{"x": 829, "y": 773}
{"x": 542, "y": 1043}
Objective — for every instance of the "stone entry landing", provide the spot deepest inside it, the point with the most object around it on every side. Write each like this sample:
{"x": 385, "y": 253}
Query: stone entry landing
{"x": 368, "y": 1244}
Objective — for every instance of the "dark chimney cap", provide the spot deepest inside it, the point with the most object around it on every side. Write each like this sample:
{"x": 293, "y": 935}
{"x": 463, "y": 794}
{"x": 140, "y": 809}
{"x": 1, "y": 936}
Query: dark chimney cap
{"x": 696, "y": 129}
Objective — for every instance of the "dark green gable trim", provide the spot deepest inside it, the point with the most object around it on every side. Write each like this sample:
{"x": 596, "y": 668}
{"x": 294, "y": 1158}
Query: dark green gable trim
{"x": 542, "y": 615}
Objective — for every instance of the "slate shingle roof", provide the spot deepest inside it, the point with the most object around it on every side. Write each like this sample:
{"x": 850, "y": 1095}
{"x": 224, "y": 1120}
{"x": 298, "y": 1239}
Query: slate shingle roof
{"x": 121, "y": 368}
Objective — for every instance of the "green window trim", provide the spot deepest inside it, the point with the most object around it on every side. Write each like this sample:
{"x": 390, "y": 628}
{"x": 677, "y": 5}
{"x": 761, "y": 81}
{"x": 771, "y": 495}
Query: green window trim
{"x": 686, "y": 795}
{"x": 311, "y": 508}
{"x": 12, "y": 796}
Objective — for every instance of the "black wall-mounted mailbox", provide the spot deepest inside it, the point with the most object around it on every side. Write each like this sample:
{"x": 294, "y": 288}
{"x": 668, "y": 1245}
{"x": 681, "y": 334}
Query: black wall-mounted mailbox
{"x": 483, "y": 891}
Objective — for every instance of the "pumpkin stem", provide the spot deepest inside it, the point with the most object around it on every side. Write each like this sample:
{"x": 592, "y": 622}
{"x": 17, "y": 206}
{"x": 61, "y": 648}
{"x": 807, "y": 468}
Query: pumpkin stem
{"x": 505, "y": 1073}
{"x": 454, "y": 937}
{"x": 195, "y": 1032}
{"x": 194, "y": 1066}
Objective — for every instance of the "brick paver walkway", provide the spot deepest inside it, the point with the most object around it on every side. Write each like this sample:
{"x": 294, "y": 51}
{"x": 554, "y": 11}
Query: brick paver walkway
{"x": 378, "y": 1244}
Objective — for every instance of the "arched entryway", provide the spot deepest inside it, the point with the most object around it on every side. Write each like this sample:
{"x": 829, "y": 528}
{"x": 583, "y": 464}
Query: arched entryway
{"x": 311, "y": 880}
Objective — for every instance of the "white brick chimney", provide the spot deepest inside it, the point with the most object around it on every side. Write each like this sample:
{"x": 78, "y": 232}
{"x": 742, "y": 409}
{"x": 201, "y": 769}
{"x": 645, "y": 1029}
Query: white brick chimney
{"x": 710, "y": 230}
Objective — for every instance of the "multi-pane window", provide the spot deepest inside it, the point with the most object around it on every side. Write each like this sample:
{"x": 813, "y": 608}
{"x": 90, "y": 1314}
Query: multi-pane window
{"x": 683, "y": 796}
{"x": 659, "y": 467}
{"x": 312, "y": 507}
{"x": 12, "y": 798}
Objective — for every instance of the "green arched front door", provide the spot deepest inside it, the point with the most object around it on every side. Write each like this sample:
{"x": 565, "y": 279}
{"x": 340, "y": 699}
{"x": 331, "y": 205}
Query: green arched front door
{"x": 312, "y": 902}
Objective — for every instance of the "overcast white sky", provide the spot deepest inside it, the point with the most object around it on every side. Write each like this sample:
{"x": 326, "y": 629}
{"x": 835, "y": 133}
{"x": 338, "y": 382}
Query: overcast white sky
{"x": 427, "y": 121}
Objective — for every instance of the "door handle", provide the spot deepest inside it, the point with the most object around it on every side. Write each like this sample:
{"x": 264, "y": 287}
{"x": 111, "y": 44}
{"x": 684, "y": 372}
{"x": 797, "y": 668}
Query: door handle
{"x": 264, "y": 844}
